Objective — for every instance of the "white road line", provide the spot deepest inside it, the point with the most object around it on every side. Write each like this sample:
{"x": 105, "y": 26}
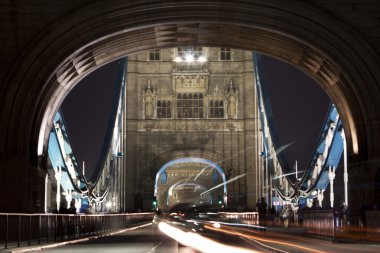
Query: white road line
{"x": 264, "y": 245}
{"x": 152, "y": 250}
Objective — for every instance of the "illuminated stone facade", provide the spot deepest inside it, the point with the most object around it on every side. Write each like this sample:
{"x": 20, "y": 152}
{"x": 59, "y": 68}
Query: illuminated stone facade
{"x": 178, "y": 107}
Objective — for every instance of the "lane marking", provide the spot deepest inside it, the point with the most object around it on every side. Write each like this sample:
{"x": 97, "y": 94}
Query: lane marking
{"x": 152, "y": 250}
{"x": 264, "y": 245}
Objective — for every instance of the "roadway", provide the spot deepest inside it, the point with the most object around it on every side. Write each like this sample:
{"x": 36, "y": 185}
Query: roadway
{"x": 143, "y": 240}
{"x": 149, "y": 240}
{"x": 139, "y": 240}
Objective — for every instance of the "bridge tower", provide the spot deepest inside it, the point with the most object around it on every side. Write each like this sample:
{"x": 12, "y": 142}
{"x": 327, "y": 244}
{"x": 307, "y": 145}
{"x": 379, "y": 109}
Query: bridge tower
{"x": 191, "y": 103}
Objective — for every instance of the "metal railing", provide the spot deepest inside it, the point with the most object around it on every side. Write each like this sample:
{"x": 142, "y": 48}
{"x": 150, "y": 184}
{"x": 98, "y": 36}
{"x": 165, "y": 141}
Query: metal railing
{"x": 249, "y": 218}
{"x": 18, "y": 230}
{"x": 358, "y": 227}
{"x": 319, "y": 223}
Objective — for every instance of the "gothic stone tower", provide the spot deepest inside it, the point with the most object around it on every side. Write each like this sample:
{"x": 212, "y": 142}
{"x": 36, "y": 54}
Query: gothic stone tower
{"x": 190, "y": 102}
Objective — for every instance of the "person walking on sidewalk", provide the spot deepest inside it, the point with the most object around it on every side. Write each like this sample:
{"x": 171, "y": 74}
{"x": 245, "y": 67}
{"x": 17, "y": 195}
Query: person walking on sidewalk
{"x": 262, "y": 209}
{"x": 285, "y": 213}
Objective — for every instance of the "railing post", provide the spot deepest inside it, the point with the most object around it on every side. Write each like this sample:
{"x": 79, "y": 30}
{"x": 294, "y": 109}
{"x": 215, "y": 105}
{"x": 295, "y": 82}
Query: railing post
{"x": 91, "y": 226}
{"x": 68, "y": 227}
{"x": 62, "y": 227}
{"x": 103, "y": 223}
{"x": 85, "y": 225}
{"x": 334, "y": 226}
{"x": 75, "y": 225}
{"x": 39, "y": 229}
{"x": 72, "y": 225}
{"x": 6, "y": 232}
{"x": 47, "y": 230}
{"x": 30, "y": 229}
{"x": 19, "y": 231}
{"x": 55, "y": 228}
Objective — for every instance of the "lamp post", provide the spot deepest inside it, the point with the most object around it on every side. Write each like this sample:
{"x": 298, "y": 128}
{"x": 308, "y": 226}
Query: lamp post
{"x": 331, "y": 178}
{"x": 58, "y": 175}
{"x": 345, "y": 174}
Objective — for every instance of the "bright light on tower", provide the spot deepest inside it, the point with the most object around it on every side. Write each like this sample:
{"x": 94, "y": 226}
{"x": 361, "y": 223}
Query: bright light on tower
{"x": 178, "y": 59}
{"x": 189, "y": 58}
{"x": 202, "y": 59}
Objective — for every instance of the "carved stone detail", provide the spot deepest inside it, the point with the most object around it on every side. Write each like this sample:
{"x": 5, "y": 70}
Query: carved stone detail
{"x": 149, "y": 102}
{"x": 232, "y": 97}
{"x": 190, "y": 83}
{"x": 187, "y": 125}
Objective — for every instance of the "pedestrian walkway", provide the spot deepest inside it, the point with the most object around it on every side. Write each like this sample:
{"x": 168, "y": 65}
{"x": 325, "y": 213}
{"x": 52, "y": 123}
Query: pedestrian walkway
{"x": 294, "y": 239}
{"x": 42, "y": 246}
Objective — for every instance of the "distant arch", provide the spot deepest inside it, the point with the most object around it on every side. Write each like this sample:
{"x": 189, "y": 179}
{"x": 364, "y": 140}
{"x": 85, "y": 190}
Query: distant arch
{"x": 190, "y": 160}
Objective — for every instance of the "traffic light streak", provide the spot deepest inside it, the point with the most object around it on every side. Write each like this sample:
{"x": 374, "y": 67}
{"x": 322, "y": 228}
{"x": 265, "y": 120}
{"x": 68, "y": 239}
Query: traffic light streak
{"x": 256, "y": 238}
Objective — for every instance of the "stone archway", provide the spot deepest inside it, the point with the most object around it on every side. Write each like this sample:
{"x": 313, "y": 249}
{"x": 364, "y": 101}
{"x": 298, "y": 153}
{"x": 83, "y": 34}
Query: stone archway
{"x": 298, "y": 33}
{"x": 166, "y": 157}
{"x": 192, "y": 171}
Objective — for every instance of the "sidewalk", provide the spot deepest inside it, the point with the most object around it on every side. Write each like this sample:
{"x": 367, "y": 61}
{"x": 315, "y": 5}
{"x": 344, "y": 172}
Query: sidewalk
{"x": 14, "y": 249}
{"x": 294, "y": 239}
{"x": 338, "y": 237}
{"x": 290, "y": 229}
{"x": 34, "y": 247}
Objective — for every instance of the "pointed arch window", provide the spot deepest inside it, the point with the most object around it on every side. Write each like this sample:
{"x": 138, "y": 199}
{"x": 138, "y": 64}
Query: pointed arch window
{"x": 190, "y": 105}
{"x": 164, "y": 109}
{"x": 216, "y": 109}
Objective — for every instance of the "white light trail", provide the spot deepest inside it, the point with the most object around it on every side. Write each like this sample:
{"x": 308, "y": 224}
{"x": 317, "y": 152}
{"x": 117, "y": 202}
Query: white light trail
{"x": 224, "y": 183}
{"x": 197, "y": 241}
{"x": 282, "y": 148}
{"x": 284, "y": 175}
{"x": 200, "y": 172}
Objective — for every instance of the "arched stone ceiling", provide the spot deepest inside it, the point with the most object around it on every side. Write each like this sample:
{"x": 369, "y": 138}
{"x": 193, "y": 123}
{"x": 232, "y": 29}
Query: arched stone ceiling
{"x": 91, "y": 36}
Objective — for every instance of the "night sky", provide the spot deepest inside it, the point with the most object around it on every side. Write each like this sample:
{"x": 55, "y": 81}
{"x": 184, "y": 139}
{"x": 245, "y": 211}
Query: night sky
{"x": 299, "y": 107}
{"x": 87, "y": 112}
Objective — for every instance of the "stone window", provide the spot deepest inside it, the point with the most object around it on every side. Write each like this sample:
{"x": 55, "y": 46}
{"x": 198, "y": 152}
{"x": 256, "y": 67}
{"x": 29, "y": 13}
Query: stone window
{"x": 216, "y": 109}
{"x": 225, "y": 54}
{"x": 164, "y": 109}
{"x": 154, "y": 55}
{"x": 189, "y": 105}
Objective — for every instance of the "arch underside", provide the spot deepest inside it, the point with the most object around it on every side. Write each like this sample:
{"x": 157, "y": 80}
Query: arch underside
{"x": 295, "y": 32}
{"x": 336, "y": 79}
{"x": 302, "y": 55}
